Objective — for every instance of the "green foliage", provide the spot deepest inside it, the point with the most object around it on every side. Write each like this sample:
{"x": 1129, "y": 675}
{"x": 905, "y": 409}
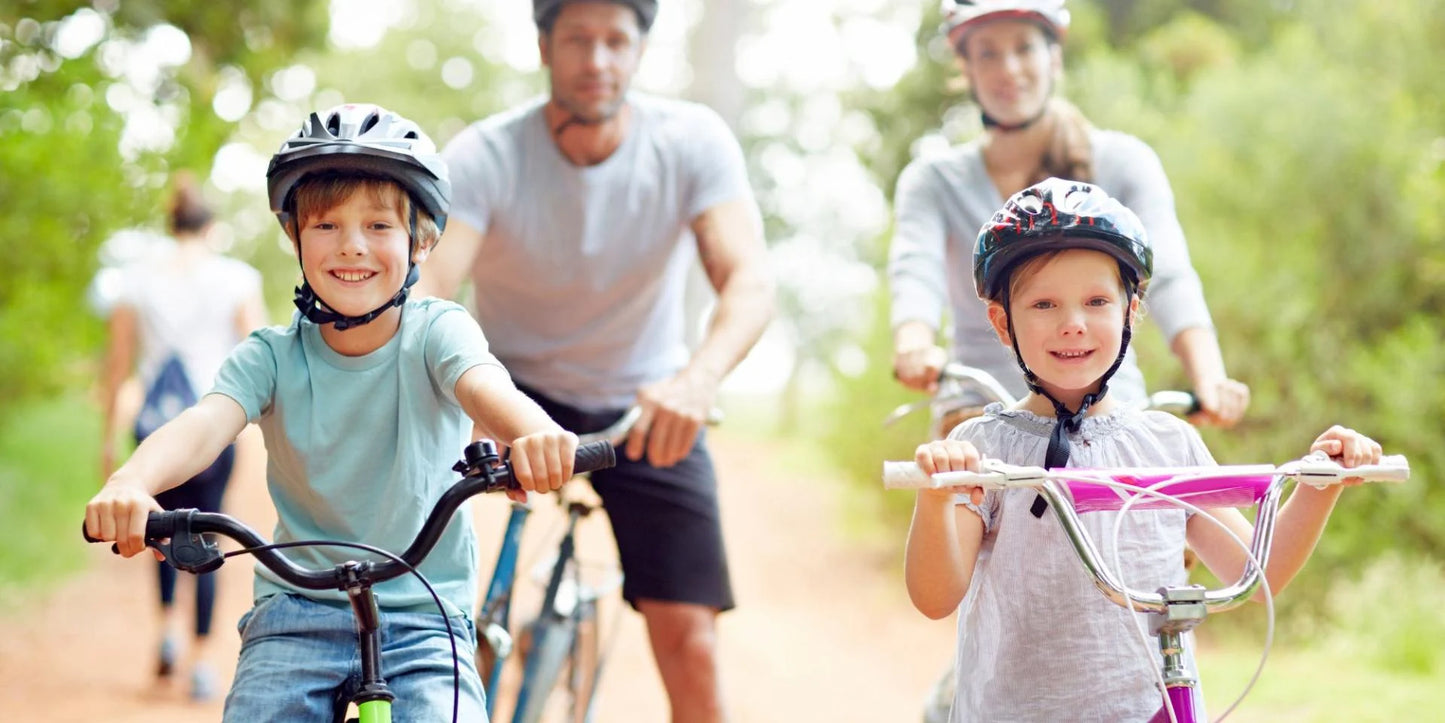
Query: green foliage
{"x": 48, "y": 455}
{"x": 69, "y": 183}
{"x": 1390, "y": 615}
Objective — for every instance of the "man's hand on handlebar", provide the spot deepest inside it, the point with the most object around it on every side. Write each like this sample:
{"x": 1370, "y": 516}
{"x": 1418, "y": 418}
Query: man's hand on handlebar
{"x": 673, "y": 410}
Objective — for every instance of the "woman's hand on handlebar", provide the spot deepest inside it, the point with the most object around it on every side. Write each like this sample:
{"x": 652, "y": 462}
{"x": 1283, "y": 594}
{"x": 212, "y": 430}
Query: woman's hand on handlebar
{"x": 542, "y": 461}
{"x": 917, "y": 360}
{"x": 118, "y": 513}
{"x": 949, "y": 455}
{"x": 1349, "y": 448}
{"x": 1222, "y": 402}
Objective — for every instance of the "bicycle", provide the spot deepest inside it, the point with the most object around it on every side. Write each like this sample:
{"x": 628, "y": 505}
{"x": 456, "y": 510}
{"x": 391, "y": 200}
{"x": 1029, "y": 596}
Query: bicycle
{"x": 1174, "y": 609}
{"x": 178, "y": 534}
{"x": 963, "y": 392}
{"x": 564, "y": 634}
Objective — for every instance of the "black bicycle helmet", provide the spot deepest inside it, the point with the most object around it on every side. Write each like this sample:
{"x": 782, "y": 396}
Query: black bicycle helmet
{"x": 1052, "y": 215}
{"x": 961, "y": 15}
{"x": 1056, "y": 215}
{"x": 544, "y": 11}
{"x": 365, "y": 139}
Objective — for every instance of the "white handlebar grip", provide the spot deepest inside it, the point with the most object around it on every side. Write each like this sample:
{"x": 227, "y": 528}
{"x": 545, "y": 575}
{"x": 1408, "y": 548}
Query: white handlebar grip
{"x": 1392, "y": 468}
{"x": 905, "y": 476}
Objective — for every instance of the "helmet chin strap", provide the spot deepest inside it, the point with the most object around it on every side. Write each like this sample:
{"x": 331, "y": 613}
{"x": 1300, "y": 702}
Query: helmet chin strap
{"x": 318, "y": 312}
{"x": 1065, "y": 422}
{"x": 991, "y": 122}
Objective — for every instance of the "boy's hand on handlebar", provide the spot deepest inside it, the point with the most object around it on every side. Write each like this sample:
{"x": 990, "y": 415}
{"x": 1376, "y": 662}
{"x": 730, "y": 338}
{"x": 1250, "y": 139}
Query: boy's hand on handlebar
{"x": 118, "y": 513}
{"x": 1222, "y": 402}
{"x": 542, "y": 461}
{"x": 918, "y": 367}
{"x": 950, "y": 455}
{"x": 673, "y": 410}
{"x": 1347, "y": 447}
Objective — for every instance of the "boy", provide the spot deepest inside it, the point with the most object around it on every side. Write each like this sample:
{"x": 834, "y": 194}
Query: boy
{"x": 362, "y": 400}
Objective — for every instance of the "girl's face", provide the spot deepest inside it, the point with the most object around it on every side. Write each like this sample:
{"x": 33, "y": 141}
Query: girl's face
{"x": 355, "y": 253}
{"x": 1068, "y": 317}
{"x": 1011, "y": 66}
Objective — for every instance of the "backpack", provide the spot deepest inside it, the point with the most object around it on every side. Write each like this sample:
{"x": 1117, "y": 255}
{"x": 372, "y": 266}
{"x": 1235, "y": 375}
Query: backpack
{"x": 169, "y": 395}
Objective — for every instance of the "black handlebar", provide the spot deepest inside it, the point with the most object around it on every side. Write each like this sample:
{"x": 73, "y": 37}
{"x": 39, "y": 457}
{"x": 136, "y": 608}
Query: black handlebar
{"x": 482, "y": 469}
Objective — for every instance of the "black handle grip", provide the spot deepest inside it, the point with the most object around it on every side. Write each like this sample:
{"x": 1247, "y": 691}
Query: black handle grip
{"x": 159, "y": 525}
{"x": 594, "y": 456}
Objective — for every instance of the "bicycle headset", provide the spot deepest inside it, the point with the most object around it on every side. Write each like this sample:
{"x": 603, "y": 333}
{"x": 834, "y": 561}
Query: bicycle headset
{"x": 1056, "y": 215}
{"x": 961, "y": 16}
{"x": 371, "y": 141}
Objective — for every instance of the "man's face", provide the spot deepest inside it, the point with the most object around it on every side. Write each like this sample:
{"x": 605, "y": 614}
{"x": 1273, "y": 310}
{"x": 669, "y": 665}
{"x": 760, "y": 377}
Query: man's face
{"x": 592, "y": 52}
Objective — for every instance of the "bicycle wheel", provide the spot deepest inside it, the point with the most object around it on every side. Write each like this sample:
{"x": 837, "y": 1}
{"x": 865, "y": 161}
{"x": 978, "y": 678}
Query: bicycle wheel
{"x": 550, "y": 649}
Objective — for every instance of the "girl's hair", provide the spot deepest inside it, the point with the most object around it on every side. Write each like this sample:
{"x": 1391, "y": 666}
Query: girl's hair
{"x": 188, "y": 211}
{"x": 318, "y": 193}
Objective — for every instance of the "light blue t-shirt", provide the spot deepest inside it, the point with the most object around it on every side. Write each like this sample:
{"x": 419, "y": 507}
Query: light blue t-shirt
{"x": 580, "y": 280}
{"x": 360, "y": 448}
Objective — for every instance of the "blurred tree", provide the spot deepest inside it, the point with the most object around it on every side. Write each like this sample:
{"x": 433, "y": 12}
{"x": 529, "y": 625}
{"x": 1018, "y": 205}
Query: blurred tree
{"x": 97, "y": 102}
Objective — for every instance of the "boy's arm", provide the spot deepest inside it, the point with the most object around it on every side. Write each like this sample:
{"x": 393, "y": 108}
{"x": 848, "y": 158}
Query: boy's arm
{"x": 178, "y": 451}
{"x": 542, "y": 452}
{"x": 1298, "y": 525}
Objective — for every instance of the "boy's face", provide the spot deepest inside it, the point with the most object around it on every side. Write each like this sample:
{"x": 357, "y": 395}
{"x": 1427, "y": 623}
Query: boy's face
{"x": 355, "y": 253}
{"x": 1068, "y": 316}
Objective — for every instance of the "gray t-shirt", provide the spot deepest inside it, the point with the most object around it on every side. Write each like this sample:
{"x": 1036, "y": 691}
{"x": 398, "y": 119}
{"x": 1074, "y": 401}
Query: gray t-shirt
{"x": 941, "y": 203}
{"x": 579, "y": 283}
{"x": 1036, "y": 640}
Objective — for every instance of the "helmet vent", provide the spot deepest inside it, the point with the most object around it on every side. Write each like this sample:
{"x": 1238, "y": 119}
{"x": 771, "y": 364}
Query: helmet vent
{"x": 370, "y": 122}
{"x": 333, "y": 124}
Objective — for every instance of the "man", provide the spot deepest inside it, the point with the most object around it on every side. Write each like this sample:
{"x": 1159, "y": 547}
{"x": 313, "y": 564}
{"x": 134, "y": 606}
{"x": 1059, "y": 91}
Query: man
{"x": 575, "y": 219}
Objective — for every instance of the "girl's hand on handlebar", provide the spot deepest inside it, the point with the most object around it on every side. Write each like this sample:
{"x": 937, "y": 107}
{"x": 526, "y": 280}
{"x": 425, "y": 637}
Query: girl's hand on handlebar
{"x": 118, "y": 513}
{"x": 950, "y": 455}
{"x": 1221, "y": 402}
{"x": 542, "y": 461}
{"x": 1347, "y": 447}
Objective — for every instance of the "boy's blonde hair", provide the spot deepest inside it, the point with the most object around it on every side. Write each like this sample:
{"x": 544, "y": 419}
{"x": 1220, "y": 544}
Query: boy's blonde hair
{"x": 318, "y": 193}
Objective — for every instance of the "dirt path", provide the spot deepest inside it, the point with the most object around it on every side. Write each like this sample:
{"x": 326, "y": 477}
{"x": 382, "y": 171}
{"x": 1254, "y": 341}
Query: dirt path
{"x": 823, "y": 631}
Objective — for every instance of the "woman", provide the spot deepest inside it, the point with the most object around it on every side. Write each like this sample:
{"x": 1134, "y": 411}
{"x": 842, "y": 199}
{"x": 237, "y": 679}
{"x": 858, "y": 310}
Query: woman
{"x": 176, "y": 315}
{"x": 1012, "y": 59}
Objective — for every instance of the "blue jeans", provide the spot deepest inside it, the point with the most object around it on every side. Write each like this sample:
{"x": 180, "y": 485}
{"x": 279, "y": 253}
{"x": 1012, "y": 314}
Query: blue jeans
{"x": 300, "y": 660}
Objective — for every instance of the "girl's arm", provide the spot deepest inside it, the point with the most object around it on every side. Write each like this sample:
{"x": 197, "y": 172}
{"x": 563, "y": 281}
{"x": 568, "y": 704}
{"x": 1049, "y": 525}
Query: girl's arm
{"x": 1298, "y": 526}
{"x": 542, "y": 452}
{"x": 944, "y": 537}
{"x": 178, "y": 451}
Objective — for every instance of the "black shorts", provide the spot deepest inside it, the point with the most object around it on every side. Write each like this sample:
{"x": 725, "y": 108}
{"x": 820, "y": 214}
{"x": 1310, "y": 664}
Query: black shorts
{"x": 665, "y": 519}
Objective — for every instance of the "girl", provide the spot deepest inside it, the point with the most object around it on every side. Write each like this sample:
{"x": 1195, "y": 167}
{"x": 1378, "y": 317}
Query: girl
{"x": 1062, "y": 267}
{"x": 1011, "y": 53}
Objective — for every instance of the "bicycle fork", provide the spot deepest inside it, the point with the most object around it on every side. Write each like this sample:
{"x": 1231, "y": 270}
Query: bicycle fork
{"x": 373, "y": 699}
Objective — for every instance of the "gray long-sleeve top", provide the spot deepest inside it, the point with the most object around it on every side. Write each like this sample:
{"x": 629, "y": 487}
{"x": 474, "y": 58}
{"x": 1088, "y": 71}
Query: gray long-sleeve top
{"x": 941, "y": 203}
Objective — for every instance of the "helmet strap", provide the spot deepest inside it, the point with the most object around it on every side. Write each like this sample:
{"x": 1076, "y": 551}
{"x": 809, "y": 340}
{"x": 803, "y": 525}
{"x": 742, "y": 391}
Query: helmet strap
{"x": 993, "y": 123}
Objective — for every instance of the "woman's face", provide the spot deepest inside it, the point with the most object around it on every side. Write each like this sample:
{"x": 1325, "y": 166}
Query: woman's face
{"x": 1011, "y": 66}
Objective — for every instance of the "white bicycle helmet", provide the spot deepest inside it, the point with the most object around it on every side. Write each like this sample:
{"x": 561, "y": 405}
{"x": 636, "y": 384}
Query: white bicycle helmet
{"x": 959, "y": 16}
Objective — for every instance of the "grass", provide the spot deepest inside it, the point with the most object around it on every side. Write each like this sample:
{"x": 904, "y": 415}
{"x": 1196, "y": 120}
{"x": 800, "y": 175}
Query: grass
{"x": 49, "y": 467}
{"x": 1319, "y": 684}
